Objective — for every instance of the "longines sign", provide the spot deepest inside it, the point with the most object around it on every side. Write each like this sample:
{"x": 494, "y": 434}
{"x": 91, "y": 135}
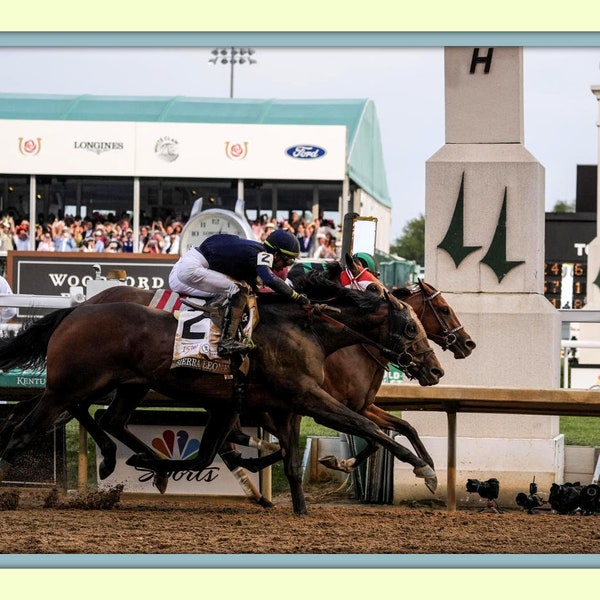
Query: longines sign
{"x": 52, "y": 273}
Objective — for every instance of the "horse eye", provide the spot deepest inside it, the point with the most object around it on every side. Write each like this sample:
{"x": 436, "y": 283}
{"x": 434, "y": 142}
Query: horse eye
{"x": 411, "y": 330}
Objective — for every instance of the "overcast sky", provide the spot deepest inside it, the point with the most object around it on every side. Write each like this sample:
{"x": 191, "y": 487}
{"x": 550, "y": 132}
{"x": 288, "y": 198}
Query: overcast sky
{"x": 406, "y": 84}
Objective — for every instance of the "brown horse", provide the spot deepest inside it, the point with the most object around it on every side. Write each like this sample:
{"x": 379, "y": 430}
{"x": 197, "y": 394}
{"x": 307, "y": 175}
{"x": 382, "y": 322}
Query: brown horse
{"x": 353, "y": 374}
{"x": 86, "y": 361}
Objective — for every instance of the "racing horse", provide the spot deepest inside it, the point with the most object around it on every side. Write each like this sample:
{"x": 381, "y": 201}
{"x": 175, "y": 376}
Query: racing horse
{"x": 353, "y": 374}
{"x": 86, "y": 361}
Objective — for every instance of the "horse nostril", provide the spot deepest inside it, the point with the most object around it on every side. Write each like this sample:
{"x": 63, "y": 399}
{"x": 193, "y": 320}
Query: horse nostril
{"x": 439, "y": 373}
{"x": 470, "y": 344}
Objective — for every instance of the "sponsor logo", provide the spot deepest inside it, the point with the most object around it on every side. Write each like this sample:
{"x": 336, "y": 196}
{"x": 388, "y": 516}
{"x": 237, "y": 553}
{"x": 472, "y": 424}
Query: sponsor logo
{"x": 98, "y": 147}
{"x": 305, "y": 152}
{"x": 60, "y": 280}
{"x": 178, "y": 445}
{"x": 236, "y": 151}
{"x": 167, "y": 149}
{"x": 30, "y": 147}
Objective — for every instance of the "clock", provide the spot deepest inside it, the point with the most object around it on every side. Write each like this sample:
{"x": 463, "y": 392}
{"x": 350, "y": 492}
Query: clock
{"x": 208, "y": 222}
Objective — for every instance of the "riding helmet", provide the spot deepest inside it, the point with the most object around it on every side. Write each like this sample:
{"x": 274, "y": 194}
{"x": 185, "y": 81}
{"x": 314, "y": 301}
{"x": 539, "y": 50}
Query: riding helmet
{"x": 281, "y": 240}
{"x": 367, "y": 261}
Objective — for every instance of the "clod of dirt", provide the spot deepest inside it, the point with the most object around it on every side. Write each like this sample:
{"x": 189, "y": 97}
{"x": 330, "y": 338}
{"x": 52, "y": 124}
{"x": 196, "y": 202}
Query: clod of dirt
{"x": 96, "y": 500}
{"x": 9, "y": 500}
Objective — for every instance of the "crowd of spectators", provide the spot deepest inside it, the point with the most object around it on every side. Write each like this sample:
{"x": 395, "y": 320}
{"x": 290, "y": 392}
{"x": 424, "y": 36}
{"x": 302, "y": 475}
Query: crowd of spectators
{"x": 317, "y": 237}
{"x": 93, "y": 234}
{"x": 98, "y": 233}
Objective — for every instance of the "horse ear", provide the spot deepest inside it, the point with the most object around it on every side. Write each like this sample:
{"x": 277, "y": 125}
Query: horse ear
{"x": 402, "y": 292}
{"x": 351, "y": 263}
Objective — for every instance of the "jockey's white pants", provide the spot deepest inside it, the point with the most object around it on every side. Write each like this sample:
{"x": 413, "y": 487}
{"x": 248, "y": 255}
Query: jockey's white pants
{"x": 191, "y": 275}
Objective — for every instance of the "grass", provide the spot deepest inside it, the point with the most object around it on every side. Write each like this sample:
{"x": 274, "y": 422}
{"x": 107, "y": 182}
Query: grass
{"x": 580, "y": 431}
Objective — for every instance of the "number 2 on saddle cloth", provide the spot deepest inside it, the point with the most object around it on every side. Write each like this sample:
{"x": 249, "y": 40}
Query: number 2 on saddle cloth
{"x": 198, "y": 334}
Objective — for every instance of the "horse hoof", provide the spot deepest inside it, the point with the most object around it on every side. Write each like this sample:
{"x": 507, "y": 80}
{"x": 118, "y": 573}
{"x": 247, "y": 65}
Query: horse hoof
{"x": 265, "y": 503}
{"x": 427, "y": 473}
{"x": 161, "y": 481}
{"x": 331, "y": 462}
{"x": 431, "y": 483}
{"x": 105, "y": 470}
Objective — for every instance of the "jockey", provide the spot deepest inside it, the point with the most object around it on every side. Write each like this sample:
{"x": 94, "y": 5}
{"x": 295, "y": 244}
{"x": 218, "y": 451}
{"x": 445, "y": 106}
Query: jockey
{"x": 368, "y": 262}
{"x": 215, "y": 267}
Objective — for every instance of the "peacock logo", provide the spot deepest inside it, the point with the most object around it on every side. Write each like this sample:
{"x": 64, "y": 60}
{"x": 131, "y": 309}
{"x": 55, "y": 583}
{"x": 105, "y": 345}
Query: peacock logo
{"x": 176, "y": 445}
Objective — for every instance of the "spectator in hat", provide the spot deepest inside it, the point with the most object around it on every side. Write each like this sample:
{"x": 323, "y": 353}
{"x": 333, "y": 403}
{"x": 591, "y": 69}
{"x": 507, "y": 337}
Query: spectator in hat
{"x": 6, "y": 238}
{"x": 98, "y": 241}
{"x": 21, "y": 238}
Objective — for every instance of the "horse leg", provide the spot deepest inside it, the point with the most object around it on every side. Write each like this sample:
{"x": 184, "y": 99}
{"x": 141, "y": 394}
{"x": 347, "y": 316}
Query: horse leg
{"x": 114, "y": 421}
{"x": 16, "y": 415}
{"x": 386, "y": 421}
{"x": 107, "y": 447}
{"x": 223, "y": 417}
{"x": 237, "y": 436}
{"x": 288, "y": 433}
{"x": 226, "y": 453}
{"x": 329, "y": 412}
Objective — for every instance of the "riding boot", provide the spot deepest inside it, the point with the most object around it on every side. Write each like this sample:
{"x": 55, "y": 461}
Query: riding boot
{"x": 231, "y": 321}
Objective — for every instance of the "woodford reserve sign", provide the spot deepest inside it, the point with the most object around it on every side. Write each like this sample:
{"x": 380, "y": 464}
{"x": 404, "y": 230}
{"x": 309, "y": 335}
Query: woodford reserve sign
{"x": 54, "y": 273}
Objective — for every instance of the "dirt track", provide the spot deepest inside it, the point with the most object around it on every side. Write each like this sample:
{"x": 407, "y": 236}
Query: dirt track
{"x": 335, "y": 525}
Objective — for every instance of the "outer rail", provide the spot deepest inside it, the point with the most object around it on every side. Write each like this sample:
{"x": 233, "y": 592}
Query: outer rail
{"x": 472, "y": 399}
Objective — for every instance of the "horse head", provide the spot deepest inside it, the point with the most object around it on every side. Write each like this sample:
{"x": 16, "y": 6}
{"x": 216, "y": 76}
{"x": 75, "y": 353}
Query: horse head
{"x": 407, "y": 340}
{"x": 439, "y": 319}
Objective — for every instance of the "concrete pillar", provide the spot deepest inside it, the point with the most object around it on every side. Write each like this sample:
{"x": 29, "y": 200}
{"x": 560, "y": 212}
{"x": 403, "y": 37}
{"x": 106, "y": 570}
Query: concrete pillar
{"x": 591, "y": 331}
{"x": 484, "y": 249}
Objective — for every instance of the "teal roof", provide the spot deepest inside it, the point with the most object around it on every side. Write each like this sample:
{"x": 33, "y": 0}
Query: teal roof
{"x": 365, "y": 156}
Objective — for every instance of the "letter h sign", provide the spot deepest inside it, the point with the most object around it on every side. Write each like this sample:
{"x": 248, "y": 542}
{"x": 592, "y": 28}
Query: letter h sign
{"x": 485, "y": 60}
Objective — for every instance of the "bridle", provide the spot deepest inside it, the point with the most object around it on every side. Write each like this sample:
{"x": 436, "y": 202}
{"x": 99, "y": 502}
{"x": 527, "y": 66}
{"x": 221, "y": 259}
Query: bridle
{"x": 349, "y": 280}
{"x": 395, "y": 350}
{"x": 448, "y": 337}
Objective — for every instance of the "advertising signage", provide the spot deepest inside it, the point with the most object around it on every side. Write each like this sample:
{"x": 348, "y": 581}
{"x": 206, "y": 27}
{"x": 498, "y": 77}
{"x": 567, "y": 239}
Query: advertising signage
{"x": 199, "y": 150}
{"x": 53, "y": 274}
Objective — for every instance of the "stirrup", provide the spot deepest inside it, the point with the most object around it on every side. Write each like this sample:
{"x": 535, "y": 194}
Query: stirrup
{"x": 233, "y": 347}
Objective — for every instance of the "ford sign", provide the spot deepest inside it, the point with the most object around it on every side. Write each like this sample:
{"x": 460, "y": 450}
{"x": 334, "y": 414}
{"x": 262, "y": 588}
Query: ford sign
{"x": 305, "y": 151}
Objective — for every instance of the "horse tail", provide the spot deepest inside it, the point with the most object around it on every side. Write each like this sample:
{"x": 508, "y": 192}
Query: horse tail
{"x": 29, "y": 348}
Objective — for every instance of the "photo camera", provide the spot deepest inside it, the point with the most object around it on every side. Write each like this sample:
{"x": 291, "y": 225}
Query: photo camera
{"x": 486, "y": 489}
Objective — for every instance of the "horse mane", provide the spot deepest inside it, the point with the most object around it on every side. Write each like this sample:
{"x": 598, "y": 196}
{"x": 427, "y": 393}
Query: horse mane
{"x": 318, "y": 286}
{"x": 330, "y": 268}
{"x": 410, "y": 288}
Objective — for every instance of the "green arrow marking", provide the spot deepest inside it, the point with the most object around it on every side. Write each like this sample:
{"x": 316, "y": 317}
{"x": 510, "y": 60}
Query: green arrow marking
{"x": 597, "y": 280}
{"x": 454, "y": 241}
{"x": 496, "y": 254}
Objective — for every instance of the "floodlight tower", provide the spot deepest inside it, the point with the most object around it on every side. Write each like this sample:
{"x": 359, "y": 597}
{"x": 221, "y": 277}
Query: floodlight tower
{"x": 232, "y": 56}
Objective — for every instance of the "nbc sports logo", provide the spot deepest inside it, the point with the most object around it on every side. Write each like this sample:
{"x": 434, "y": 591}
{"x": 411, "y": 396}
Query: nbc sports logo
{"x": 178, "y": 445}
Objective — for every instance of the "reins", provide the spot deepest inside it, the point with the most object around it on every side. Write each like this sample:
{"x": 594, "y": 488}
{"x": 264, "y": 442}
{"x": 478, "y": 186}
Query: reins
{"x": 402, "y": 360}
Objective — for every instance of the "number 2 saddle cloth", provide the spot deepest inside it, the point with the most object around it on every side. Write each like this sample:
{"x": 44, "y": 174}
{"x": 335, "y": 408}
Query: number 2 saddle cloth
{"x": 199, "y": 331}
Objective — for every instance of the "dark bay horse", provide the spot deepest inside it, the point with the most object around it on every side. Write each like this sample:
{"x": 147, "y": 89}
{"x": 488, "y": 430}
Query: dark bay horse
{"x": 124, "y": 346}
{"x": 353, "y": 374}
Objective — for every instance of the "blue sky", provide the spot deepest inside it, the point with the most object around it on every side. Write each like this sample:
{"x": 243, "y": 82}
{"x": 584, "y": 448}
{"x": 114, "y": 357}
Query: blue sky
{"x": 405, "y": 83}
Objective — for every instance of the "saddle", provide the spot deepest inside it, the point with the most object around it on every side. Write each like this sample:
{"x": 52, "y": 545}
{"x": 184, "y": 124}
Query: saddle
{"x": 200, "y": 322}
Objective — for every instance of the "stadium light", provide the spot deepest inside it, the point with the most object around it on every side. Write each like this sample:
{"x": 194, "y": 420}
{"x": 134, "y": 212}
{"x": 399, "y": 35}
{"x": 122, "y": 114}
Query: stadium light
{"x": 232, "y": 56}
